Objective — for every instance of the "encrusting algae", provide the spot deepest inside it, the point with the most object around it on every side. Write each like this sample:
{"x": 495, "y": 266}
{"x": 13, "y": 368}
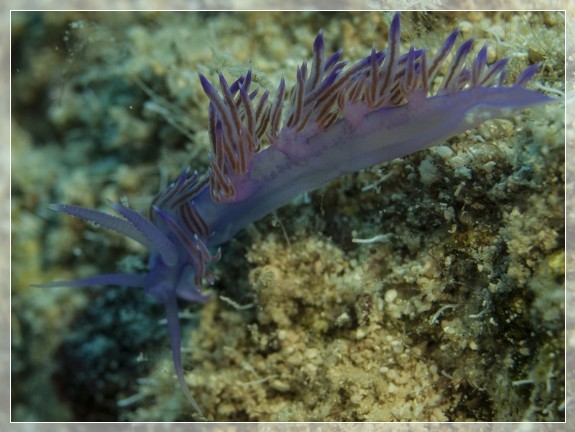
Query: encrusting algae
{"x": 429, "y": 288}
{"x": 319, "y": 347}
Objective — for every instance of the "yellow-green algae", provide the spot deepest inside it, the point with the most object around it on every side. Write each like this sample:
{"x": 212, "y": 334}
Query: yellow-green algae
{"x": 454, "y": 310}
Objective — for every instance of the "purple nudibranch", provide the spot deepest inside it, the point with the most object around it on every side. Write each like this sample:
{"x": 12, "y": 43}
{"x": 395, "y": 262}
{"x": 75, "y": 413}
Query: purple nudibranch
{"x": 338, "y": 119}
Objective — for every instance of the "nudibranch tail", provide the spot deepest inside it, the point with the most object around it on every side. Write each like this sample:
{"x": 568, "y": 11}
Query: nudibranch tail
{"x": 336, "y": 119}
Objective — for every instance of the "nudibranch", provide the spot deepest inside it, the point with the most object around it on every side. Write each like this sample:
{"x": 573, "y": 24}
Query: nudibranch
{"x": 268, "y": 148}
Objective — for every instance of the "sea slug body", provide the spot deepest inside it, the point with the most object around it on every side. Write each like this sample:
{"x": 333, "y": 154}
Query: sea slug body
{"x": 266, "y": 150}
